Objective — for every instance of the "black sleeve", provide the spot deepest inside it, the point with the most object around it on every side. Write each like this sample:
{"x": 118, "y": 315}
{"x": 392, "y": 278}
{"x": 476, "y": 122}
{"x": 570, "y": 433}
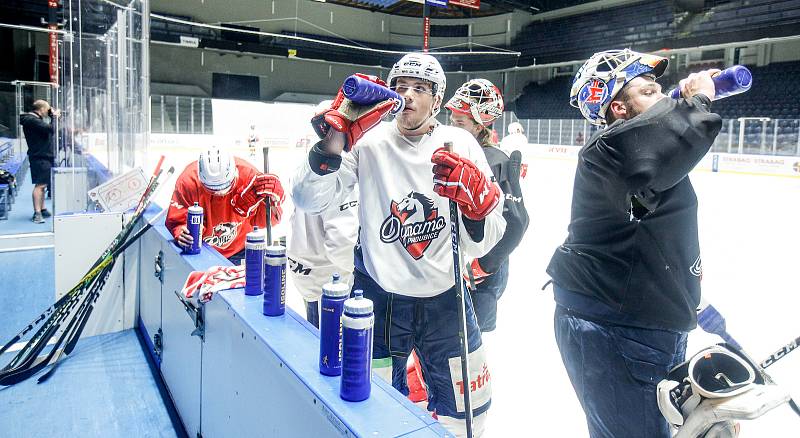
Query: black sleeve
{"x": 657, "y": 149}
{"x": 517, "y": 220}
{"x": 474, "y": 228}
{"x": 42, "y": 127}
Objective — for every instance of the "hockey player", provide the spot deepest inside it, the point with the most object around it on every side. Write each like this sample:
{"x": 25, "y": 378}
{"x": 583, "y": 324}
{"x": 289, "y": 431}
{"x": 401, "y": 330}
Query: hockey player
{"x": 627, "y": 278}
{"x": 319, "y": 246}
{"x": 474, "y": 107}
{"x": 515, "y": 140}
{"x": 403, "y": 261}
{"x": 232, "y": 193}
{"x": 252, "y": 141}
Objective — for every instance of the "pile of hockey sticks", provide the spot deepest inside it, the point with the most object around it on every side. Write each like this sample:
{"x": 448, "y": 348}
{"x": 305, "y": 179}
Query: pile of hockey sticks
{"x": 62, "y": 323}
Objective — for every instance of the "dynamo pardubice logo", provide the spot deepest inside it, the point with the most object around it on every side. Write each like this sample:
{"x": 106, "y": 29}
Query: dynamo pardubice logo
{"x": 414, "y": 222}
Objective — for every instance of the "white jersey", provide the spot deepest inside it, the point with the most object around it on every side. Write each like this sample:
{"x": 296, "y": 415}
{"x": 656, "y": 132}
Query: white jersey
{"x": 404, "y": 236}
{"x": 322, "y": 244}
{"x": 513, "y": 142}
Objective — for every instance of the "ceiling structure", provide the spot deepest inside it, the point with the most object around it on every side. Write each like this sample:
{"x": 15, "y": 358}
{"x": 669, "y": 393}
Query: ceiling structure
{"x": 487, "y": 7}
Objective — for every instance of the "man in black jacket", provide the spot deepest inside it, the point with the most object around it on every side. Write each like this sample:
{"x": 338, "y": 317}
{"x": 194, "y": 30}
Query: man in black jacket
{"x": 627, "y": 279}
{"x": 39, "y": 135}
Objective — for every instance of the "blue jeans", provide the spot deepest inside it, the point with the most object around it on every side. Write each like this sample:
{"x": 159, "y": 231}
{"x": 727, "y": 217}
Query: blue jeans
{"x": 614, "y": 371}
{"x": 485, "y": 296}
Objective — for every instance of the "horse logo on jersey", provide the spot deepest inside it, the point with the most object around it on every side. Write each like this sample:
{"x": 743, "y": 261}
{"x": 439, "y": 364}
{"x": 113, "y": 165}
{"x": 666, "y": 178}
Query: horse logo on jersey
{"x": 223, "y": 234}
{"x": 415, "y": 222}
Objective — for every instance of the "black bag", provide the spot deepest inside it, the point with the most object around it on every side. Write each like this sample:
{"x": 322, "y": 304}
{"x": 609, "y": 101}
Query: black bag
{"x": 6, "y": 177}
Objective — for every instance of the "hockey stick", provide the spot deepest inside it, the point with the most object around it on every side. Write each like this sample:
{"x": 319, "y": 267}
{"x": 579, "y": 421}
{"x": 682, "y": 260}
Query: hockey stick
{"x": 31, "y": 366}
{"x": 72, "y": 340}
{"x": 711, "y": 321}
{"x": 24, "y": 364}
{"x": 455, "y": 237}
{"x": 781, "y": 353}
{"x": 92, "y": 271}
{"x": 55, "y": 312}
{"x": 267, "y": 201}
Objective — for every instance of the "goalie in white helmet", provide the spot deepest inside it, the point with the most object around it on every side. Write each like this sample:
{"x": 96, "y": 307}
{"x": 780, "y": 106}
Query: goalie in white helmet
{"x": 627, "y": 278}
{"x": 232, "y": 193}
{"x": 403, "y": 258}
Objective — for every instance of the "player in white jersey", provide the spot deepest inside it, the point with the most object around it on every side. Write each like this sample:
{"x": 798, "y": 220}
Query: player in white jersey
{"x": 403, "y": 259}
{"x": 319, "y": 246}
{"x": 515, "y": 140}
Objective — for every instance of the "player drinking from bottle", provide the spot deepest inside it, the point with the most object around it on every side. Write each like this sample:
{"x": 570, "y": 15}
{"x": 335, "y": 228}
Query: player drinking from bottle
{"x": 403, "y": 260}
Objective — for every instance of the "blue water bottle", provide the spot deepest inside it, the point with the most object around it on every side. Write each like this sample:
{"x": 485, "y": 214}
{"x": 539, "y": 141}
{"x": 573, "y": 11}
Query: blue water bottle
{"x": 194, "y": 220}
{"x": 357, "y": 323}
{"x": 334, "y": 294}
{"x": 254, "y": 248}
{"x": 729, "y": 82}
{"x": 275, "y": 280}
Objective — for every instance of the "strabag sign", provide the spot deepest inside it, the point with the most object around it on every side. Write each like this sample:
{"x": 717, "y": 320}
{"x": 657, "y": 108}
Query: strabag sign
{"x": 752, "y": 164}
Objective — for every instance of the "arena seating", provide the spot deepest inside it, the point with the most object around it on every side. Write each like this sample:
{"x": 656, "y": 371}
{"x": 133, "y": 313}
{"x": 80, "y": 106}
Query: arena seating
{"x": 645, "y": 25}
{"x": 747, "y": 15}
{"x": 769, "y": 97}
{"x": 654, "y": 24}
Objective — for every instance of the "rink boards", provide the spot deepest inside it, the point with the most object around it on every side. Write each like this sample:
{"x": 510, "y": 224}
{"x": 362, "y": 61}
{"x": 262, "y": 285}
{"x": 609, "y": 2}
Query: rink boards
{"x": 250, "y": 375}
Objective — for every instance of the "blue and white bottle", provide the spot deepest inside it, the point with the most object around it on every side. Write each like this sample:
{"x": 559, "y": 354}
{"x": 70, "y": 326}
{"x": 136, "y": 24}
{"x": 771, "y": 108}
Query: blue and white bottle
{"x": 274, "y": 280}
{"x": 357, "y": 331}
{"x": 194, "y": 221}
{"x": 334, "y": 294}
{"x": 254, "y": 262}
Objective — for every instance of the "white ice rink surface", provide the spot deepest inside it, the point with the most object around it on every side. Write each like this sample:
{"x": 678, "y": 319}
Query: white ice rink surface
{"x": 749, "y": 235}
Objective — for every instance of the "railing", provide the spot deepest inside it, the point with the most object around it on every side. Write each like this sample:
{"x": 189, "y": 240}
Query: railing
{"x": 180, "y": 115}
{"x": 746, "y": 135}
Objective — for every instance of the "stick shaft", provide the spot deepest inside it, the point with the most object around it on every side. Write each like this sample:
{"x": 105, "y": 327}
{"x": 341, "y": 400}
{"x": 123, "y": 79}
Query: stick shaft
{"x": 266, "y": 202}
{"x": 455, "y": 235}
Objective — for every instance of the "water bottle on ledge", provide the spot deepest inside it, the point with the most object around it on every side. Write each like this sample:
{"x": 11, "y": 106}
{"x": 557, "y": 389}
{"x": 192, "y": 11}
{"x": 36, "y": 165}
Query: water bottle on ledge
{"x": 274, "y": 280}
{"x": 357, "y": 326}
{"x": 334, "y": 294}
{"x": 254, "y": 262}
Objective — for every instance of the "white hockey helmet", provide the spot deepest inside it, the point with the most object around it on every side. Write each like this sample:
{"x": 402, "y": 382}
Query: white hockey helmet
{"x": 515, "y": 128}
{"x": 216, "y": 169}
{"x": 603, "y": 75}
{"x": 479, "y": 98}
{"x": 420, "y": 66}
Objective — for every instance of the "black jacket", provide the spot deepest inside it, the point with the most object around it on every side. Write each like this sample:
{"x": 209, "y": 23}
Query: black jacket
{"x": 507, "y": 174}
{"x": 633, "y": 241}
{"x": 38, "y": 135}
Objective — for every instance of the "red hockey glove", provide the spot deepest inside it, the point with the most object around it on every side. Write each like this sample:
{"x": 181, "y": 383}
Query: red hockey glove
{"x": 262, "y": 186}
{"x": 457, "y": 178}
{"x": 478, "y": 274}
{"x": 350, "y": 118}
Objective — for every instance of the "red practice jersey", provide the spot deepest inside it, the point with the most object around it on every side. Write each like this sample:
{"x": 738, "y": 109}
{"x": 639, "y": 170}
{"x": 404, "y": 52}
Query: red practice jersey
{"x": 223, "y": 228}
